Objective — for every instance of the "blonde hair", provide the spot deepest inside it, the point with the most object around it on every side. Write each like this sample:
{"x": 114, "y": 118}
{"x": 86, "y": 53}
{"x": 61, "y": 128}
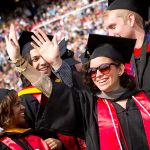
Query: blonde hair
{"x": 123, "y": 13}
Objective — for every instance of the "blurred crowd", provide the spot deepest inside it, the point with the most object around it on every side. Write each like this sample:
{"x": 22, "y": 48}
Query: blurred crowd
{"x": 69, "y": 19}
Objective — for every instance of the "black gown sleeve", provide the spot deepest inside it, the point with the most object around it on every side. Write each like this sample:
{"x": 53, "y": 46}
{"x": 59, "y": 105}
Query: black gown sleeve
{"x": 63, "y": 112}
{"x": 3, "y": 146}
{"x": 32, "y": 106}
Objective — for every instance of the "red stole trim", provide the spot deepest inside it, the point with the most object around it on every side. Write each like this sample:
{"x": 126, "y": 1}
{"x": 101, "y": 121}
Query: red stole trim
{"x": 143, "y": 104}
{"x": 137, "y": 52}
{"x": 35, "y": 141}
{"x": 68, "y": 141}
{"x": 38, "y": 96}
{"x": 10, "y": 143}
{"x": 108, "y": 130}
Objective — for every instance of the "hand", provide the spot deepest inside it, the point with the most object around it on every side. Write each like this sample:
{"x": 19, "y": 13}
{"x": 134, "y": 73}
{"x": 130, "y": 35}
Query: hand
{"x": 12, "y": 45}
{"x": 49, "y": 50}
{"x": 54, "y": 144}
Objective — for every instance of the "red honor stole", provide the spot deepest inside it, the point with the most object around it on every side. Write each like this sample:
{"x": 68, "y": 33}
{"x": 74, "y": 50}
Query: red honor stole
{"x": 35, "y": 142}
{"x": 109, "y": 125}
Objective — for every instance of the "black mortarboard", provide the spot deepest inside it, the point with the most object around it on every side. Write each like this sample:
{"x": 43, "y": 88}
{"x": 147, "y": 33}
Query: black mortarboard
{"x": 116, "y": 48}
{"x": 85, "y": 57}
{"x": 63, "y": 47}
{"x": 3, "y": 93}
{"x": 24, "y": 41}
{"x": 138, "y": 6}
{"x": 67, "y": 55}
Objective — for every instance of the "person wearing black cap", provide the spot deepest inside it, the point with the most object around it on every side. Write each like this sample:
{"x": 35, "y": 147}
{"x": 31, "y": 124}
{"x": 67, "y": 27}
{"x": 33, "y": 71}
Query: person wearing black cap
{"x": 32, "y": 98}
{"x": 15, "y": 134}
{"x": 126, "y": 18}
{"x": 67, "y": 56}
{"x": 115, "y": 115}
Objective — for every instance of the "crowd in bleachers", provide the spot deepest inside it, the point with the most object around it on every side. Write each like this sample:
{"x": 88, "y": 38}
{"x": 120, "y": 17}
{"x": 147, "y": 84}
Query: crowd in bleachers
{"x": 74, "y": 27}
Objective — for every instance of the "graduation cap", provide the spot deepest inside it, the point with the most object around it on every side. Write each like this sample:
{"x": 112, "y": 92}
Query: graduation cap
{"x": 138, "y": 6}
{"x": 116, "y": 48}
{"x": 3, "y": 93}
{"x": 67, "y": 55}
{"x": 85, "y": 57}
{"x": 25, "y": 40}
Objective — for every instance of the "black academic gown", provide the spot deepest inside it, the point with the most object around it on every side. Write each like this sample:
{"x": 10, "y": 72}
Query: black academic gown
{"x": 32, "y": 107}
{"x": 70, "y": 112}
{"x": 73, "y": 112}
{"x": 142, "y": 65}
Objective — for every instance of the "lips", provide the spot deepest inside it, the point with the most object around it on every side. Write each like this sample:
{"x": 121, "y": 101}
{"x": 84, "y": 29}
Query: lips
{"x": 22, "y": 114}
{"x": 43, "y": 69}
{"x": 101, "y": 81}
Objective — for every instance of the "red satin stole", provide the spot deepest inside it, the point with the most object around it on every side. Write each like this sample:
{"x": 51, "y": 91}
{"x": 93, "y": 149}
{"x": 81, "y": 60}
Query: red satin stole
{"x": 109, "y": 126}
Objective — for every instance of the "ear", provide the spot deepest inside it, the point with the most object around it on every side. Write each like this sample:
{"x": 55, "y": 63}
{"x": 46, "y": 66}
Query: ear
{"x": 121, "y": 69}
{"x": 131, "y": 19}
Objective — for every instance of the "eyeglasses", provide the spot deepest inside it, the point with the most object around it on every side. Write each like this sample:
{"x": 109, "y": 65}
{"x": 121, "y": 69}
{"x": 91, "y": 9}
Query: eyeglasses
{"x": 103, "y": 68}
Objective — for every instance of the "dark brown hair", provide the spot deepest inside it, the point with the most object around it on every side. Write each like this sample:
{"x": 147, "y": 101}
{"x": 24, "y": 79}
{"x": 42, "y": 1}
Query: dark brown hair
{"x": 6, "y": 108}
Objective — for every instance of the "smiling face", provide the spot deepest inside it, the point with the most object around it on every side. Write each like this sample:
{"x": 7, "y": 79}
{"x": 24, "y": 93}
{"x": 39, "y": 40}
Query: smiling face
{"x": 111, "y": 80}
{"x": 39, "y": 63}
{"x": 120, "y": 26}
{"x": 18, "y": 114}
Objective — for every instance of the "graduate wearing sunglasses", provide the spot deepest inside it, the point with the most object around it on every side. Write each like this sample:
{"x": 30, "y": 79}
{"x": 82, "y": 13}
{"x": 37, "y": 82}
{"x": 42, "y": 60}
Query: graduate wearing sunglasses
{"x": 115, "y": 115}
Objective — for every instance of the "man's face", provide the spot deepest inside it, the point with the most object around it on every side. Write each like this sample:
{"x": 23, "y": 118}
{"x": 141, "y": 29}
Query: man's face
{"x": 39, "y": 63}
{"x": 117, "y": 26}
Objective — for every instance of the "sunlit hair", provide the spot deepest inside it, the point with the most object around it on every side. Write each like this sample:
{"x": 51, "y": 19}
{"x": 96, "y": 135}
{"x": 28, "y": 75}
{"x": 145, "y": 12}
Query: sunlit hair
{"x": 126, "y": 81}
{"x": 6, "y": 108}
{"x": 123, "y": 13}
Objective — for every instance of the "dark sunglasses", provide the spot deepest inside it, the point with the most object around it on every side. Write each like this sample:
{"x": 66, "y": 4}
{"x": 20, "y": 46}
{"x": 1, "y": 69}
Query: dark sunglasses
{"x": 103, "y": 68}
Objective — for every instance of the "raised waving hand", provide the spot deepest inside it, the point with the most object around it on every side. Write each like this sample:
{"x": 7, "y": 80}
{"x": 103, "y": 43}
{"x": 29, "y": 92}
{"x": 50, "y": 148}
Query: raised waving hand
{"x": 48, "y": 49}
{"x": 12, "y": 45}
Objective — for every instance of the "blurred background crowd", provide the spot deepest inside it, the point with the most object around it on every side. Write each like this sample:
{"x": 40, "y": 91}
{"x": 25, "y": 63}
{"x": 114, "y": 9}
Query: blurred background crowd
{"x": 72, "y": 19}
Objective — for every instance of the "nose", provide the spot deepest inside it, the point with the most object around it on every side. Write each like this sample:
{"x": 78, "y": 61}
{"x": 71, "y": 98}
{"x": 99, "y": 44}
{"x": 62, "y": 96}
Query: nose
{"x": 22, "y": 107}
{"x": 98, "y": 73}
